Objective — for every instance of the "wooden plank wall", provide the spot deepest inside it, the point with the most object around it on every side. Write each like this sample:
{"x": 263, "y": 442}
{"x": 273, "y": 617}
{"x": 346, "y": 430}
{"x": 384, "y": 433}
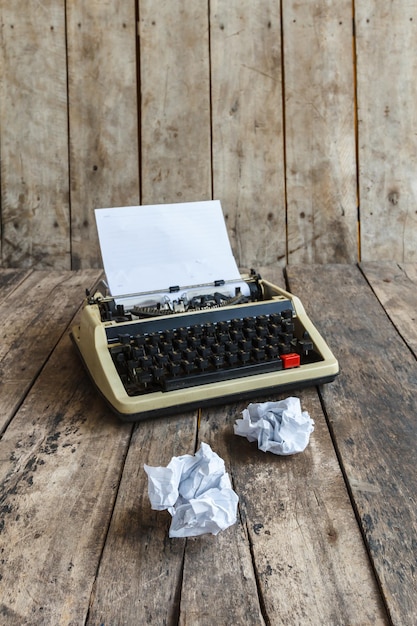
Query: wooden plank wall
{"x": 299, "y": 116}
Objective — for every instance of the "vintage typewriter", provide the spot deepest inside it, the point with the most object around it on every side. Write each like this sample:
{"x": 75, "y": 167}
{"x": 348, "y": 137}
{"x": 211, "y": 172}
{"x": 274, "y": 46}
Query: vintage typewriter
{"x": 199, "y": 345}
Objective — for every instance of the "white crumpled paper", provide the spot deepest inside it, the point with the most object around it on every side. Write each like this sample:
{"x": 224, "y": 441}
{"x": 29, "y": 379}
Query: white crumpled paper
{"x": 197, "y": 492}
{"x": 278, "y": 427}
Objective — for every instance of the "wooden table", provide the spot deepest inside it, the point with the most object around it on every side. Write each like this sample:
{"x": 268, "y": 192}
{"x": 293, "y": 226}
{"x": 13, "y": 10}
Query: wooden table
{"x": 325, "y": 537}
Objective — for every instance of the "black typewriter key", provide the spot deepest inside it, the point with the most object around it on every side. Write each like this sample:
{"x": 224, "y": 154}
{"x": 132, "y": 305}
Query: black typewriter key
{"x": 285, "y": 338}
{"x": 209, "y": 340}
{"x": 150, "y": 349}
{"x": 272, "y": 352}
{"x": 244, "y": 356}
{"x": 161, "y": 360}
{"x": 275, "y": 319}
{"x": 218, "y": 348}
{"x": 153, "y": 339}
{"x": 258, "y": 354}
{"x": 167, "y": 336}
{"x": 274, "y": 330}
{"x": 288, "y": 326}
{"x": 236, "y": 323}
{"x": 231, "y": 358}
{"x": 217, "y": 360}
{"x": 259, "y": 342}
{"x": 262, "y": 331}
{"x": 231, "y": 347}
{"x": 287, "y": 314}
{"x": 222, "y": 327}
{"x": 249, "y": 333}
{"x": 158, "y": 373}
{"x": 139, "y": 340}
{"x": 120, "y": 358}
{"x": 144, "y": 377}
{"x": 137, "y": 353}
{"x": 305, "y": 344}
{"x": 124, "y": 339}
{"x": 204, "y": 351}
{"x": 223, "y": 337}
{"x": 145, "y": 362}
{"x": 174, "y": 368}
{"x": 175, "y": 357}
{"x": 201, "y": 363}
{"x": 186, "y": 366}
{"x": 189, "y": 355}
{"x": 193, "y": 345}
{"x": 165, "y": 347}
{"x": 261, "y": 320}
{"x": 236, "y": 335}
{"x": 249, "y": 328}
{"x": 179, "y": 344}
{"x": 181, "y": 333}
{"x": 196, "y": 331}
{"x": 244, "y": 345}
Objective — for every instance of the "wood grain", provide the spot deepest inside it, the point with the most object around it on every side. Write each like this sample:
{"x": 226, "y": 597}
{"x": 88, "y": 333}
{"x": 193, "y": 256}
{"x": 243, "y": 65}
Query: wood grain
{"x": 395, "y": 286}
{"x": 34, "y": 136}
{"x": 143, "y": 585}
{"x": 103, "y": 117}
{"x": 323, "y": 537}
{"x": 320, "y": 132}
{"x": 247, "y": 128}
{"x": 10, "y": 280}
{"x": 61, "y": 459}
{"x": 386, "y": 48}
{"x": 219, "y": 582}
{"x": 175, "y": 101}
{"x": 371, "y": 408}
{"x": 308, "y": 557}
{"x": 34, "y": 316}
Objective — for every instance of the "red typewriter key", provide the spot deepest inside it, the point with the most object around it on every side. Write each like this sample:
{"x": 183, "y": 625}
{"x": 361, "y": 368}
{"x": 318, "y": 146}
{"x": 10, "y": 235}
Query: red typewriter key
{"x": 290, "y": 360}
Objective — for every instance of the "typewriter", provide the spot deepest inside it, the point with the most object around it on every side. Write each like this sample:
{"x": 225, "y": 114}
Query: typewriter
{"x": 201, "y": 345}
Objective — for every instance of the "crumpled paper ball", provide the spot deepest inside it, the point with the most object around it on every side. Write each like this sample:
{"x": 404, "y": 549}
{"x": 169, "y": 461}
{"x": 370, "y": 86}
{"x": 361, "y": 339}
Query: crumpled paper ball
{"x": 278, "y": 427}
{"x": 197, "y": 492}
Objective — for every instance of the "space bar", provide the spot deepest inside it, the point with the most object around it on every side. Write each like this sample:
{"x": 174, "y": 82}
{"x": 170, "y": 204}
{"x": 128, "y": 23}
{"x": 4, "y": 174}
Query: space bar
{"x": 229, "y": 373}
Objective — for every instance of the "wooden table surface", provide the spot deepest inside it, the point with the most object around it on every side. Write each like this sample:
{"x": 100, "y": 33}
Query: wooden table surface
{"x": 325, "y": 537}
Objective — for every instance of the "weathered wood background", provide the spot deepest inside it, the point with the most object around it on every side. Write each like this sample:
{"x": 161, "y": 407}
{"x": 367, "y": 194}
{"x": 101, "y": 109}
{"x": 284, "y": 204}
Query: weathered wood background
{"x": 299, "y": 116}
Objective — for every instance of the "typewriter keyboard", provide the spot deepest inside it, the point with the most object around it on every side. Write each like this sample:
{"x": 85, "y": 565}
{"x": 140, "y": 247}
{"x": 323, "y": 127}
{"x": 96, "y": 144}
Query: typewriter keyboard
{"x": 205, "y": 349}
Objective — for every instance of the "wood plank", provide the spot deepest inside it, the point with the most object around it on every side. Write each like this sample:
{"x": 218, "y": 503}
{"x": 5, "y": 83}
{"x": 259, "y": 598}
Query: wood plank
{"x": 308, "y": 556}
{"x": 139, "y": 580}
{"x": 371, "y": 408}
{"x": 34, "y": 316}
{"x": 320, "y": 132}
{"x": 386, "y": 45}
{"x": 103, "y": 117}
{"x": 10, "y": 279}
{"x": 395, "y": 285}
{"x": 247, "y": 141}
{"x": 61, "y": 461}
{"x": 34, "y": 136}
{"x": 175, "y": 104}
{"x": 219, "y": 582}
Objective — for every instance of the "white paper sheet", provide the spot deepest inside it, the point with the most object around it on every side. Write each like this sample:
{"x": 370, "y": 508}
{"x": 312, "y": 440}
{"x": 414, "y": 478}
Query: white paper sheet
{"x": 153, "y": 248}
{"x": 197, "y": 492}
{"x": 278, "y": 427}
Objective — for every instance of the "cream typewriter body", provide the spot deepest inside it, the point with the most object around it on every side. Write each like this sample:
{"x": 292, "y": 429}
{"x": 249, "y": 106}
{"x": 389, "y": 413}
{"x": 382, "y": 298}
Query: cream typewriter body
{"x": 204, "y": 349}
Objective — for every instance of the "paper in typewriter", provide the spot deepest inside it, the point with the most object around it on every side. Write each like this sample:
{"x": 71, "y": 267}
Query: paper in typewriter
{"x": 150, "y": 249}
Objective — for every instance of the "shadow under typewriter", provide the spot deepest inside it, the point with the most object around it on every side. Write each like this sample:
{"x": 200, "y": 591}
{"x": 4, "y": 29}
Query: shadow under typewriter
{"x": 151, "y": 362}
